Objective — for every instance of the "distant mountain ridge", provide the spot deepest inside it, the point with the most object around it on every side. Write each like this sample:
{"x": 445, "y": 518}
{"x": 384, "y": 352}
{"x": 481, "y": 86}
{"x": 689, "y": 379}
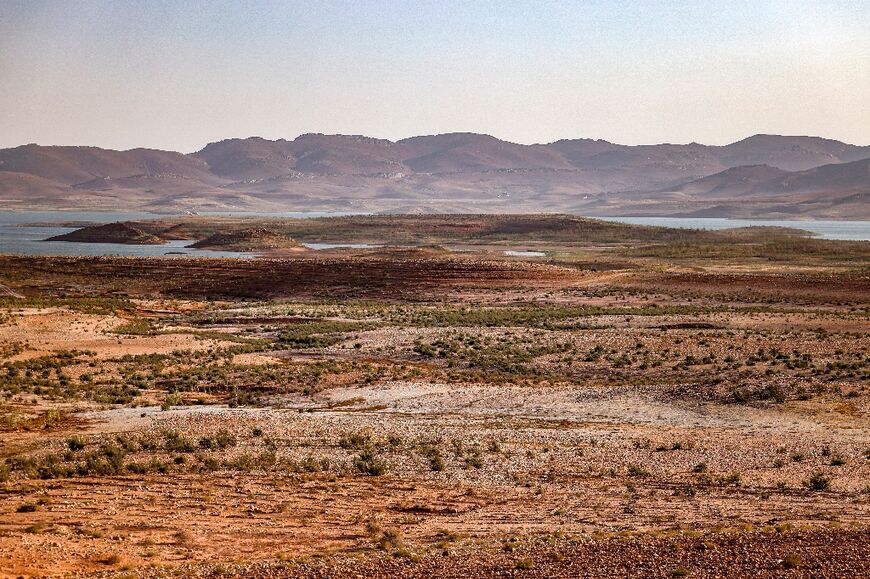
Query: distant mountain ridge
{"x": 448, "y": 172}
{"x": 766, "y": 180}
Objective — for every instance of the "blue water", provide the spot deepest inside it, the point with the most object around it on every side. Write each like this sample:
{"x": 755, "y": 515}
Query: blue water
{"x": 29, "y": 241}
{"x": 20, "y": 240}
{"x": 844, "y": 230}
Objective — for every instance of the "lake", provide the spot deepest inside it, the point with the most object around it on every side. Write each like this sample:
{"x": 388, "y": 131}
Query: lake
{"x": 20, "y": 240}
{"x": 16, "y": 239}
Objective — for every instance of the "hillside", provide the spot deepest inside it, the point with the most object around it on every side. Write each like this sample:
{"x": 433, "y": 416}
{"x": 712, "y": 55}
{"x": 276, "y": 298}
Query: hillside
{"x": 250, "y": 239}
{"x": 837, "y": 191}
{"x": 465, "y": 172}
{"x": 125, "y": 233}
{"x": 790, "y": 153}
{"x": 736, "y": 181}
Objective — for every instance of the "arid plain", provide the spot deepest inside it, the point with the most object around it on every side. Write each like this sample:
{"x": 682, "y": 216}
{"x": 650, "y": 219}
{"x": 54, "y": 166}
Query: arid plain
{"x": 611, "y": 401}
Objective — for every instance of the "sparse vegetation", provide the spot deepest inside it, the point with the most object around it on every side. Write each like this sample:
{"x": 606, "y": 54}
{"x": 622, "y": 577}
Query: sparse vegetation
{"x": 367, "y": 462}
{"x": 601, "y": 392}
{"x": 818, "y": 482}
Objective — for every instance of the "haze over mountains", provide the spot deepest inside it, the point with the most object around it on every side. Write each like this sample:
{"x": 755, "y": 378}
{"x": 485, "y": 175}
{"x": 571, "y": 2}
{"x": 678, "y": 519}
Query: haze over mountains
{"x": 761, "y": 176}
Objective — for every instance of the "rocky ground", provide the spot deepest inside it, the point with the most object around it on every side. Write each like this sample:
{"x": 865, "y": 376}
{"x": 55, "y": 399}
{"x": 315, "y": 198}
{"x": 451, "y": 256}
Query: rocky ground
{"x": 513, "y": 420}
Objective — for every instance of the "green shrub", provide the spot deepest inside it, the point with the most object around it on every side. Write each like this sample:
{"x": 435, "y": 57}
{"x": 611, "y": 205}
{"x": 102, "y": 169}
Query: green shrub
{"x": 175, "y": 442}
{"x": 75, "y": 443}
{"x": 369, "y": 463}
{"x": 818, "y": 482}
{"x": 791, "y": 561}
{"x": 355, "y": 440}
{"x": 636, "y": 470}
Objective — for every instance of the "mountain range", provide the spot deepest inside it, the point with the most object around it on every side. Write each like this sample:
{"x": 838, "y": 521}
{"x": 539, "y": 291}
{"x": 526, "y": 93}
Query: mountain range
{"x": 761, "y": 176}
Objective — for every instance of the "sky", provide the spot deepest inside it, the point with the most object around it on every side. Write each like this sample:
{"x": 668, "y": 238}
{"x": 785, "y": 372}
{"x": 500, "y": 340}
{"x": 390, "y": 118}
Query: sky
{"x": 176, "y": 74}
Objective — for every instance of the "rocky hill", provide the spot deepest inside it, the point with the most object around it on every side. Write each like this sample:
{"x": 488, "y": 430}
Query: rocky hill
{"x": 250, "y": 239}
{"x": 121, "y": 232}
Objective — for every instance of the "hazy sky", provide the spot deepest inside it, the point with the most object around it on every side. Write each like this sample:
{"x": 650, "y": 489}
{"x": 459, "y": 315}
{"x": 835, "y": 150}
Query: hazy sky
{"x": 178, "y": 74}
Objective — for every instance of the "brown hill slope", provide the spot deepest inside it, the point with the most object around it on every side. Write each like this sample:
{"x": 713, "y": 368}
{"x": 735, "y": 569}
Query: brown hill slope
{"x": 790, "y": 153}
{"x": 736, "y": 181}
{"x": 77, "y": 165}
{"x": 450, "y": 172}
{"x": 845, "y": 177}
{"x": 836, "y": 191}
{"x": 761, "y": 180}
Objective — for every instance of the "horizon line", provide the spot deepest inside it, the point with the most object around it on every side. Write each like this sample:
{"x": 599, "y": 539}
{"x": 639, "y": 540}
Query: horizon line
{"x": 357, "y": 135}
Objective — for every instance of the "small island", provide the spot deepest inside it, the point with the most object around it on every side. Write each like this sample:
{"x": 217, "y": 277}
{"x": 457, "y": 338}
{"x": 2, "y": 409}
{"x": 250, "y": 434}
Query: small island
{"x": 251, "y": 239}
{"x": 120, "y": 232}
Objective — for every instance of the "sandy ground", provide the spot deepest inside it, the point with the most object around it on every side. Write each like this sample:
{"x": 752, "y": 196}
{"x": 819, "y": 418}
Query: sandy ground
{"x": 55, "y": 329}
